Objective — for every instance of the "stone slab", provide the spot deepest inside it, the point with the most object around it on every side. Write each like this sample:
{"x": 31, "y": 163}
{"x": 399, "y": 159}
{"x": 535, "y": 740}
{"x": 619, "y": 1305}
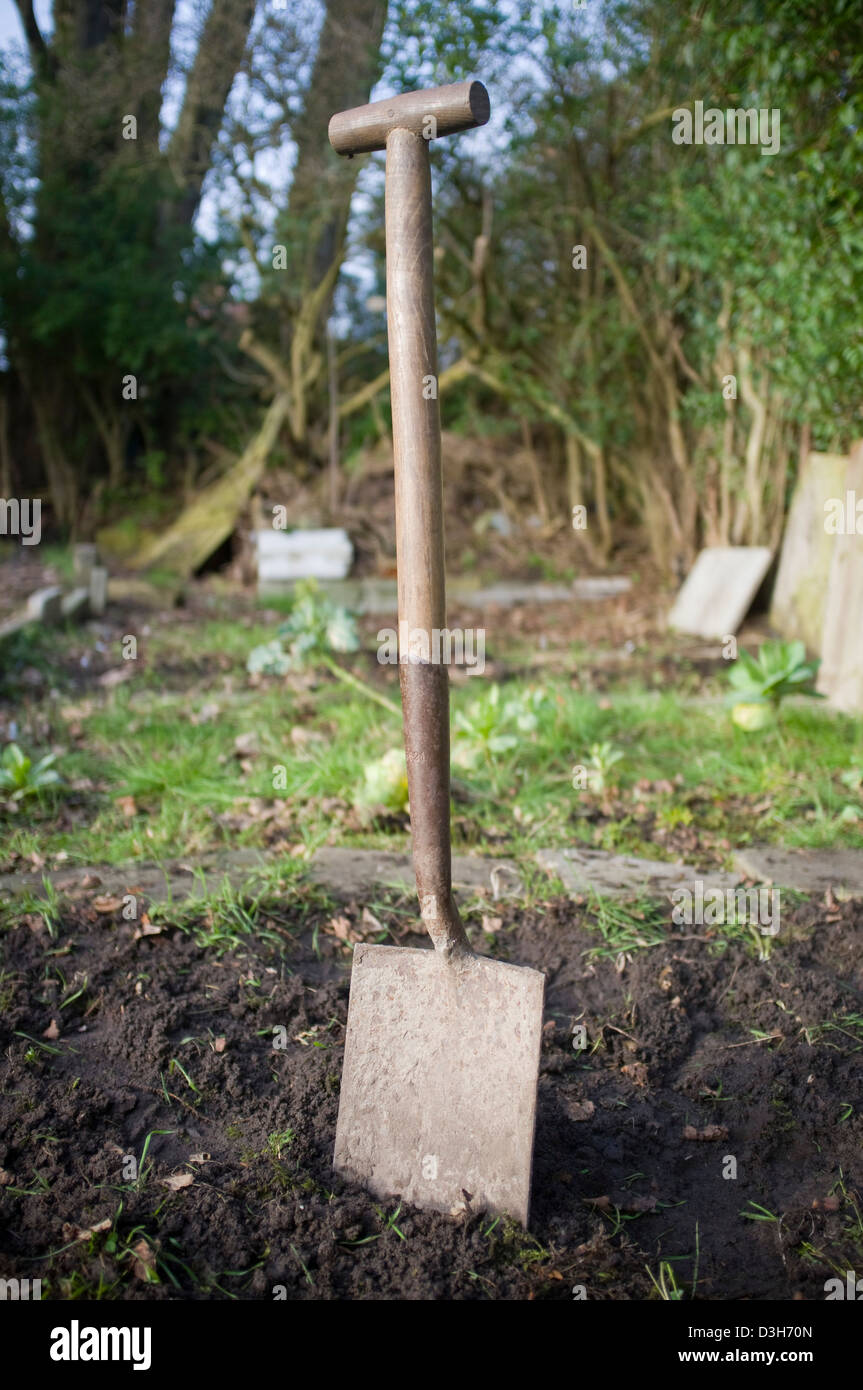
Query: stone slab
{"x": 800, "y": 593}
{"x": 841, "y": 674}
{"x": 804, "y": 870}
{"x": 46, "y": 605}
{"x": 76, "y": 603}
{"x": 290, "y": 555}
{"x": 624, "y": 875}
{"x": 719, "y": 589}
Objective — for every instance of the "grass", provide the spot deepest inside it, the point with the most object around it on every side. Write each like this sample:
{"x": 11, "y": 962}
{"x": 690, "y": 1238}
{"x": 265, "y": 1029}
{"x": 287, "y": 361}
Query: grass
{"x": 138, "y": 740}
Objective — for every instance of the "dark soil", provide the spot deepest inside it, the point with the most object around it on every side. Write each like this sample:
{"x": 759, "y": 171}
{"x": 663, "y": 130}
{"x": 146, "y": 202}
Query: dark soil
{"x": 692, "y": 1033}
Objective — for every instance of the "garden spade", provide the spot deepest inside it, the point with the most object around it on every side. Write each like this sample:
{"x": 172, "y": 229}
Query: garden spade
{"x": 438, "y": 1093}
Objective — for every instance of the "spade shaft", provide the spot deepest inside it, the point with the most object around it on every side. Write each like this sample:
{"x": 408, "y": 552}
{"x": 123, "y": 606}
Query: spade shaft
{"x": 419, "y": 528}
{"x": 438, "y": 1092}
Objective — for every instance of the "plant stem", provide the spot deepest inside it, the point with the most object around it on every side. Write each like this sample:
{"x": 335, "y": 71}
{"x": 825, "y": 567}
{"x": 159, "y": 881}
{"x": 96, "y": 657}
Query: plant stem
{"x": 350, "y": 679}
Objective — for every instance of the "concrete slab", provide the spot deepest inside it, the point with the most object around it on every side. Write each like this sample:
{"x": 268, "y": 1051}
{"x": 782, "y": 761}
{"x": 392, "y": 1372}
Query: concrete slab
{"x": 46, "y": 605}
{"x": 719, "y": 589}
{"x": 284, "y": 556}
{"x": 76, "y": 603}
{"x": 841, "y": 674}
{"x": 354, "y": 872}
{"x": 805, "y": 870}
{"x": 623, "y": 875}
{"x": 799, "y": 599}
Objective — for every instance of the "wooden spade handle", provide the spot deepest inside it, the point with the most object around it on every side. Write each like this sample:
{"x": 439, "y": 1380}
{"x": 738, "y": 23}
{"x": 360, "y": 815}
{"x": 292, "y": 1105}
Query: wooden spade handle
{"x": 431, "y": 113}
{"x": 419, "y": 528}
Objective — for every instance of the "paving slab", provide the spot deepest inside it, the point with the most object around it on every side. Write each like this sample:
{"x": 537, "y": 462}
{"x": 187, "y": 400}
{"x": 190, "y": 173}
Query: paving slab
{"x": 804, "y": 870}
{"x": 345, "y": 872}
{"x": 625, "y": 875}
{"x": 357, "y": 871}
{"x": 46, "y": 605}
{"x": 719, "y": 589}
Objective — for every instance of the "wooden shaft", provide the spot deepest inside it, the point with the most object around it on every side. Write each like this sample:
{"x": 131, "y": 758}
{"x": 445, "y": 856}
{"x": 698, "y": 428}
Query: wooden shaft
{"x": 419, "y": 527}
{"x": 430, "y": 113}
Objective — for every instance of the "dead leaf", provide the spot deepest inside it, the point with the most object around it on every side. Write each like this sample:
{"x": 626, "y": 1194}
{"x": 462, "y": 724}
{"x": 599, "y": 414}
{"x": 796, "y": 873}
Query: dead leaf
{"x": 199, "y": 1158}
{"x": 826, "y": 1204}
{"x": 6, "y": 1177}
{"x": 107, "y": 904}
{"x": 343, "y": 929}
{"x": 145, "y": 1260}
{"x": 492, "y": 924}
{"x": 127, "y": 806}
{"x": 707, "y": 1134}
{"x": 370, "y": 924}
{"x": 636, "y": 1071}
{"x": 52, "y": 1031}
{"x": 86, "y": 1232}
{"x": 147, "y": 928}
{"x": 581, "y": 1110}
{"x": 178, "y": 1180}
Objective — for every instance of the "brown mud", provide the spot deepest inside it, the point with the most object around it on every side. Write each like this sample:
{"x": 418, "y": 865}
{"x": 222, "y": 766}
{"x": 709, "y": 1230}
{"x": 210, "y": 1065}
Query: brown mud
{"x": 699, "y": 1057}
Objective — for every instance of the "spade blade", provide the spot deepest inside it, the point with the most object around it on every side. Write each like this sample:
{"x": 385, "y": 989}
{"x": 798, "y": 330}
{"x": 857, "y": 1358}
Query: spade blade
{"x": 438, "y": 1093}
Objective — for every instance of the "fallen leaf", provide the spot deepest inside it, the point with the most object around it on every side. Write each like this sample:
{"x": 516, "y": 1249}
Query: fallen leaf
{"x": 636, "y": 1071}
{"x": 178, "y": 1180}
{"x": 199, "y": 1158}
{"x": 127, "y": 806}
{"x": 86, "y": 1232}
{"x": 107, "y": 904}
{"x": 343, "y": 929}
{"x": 145, "y": 1260}
{"x": 581, "y": 1110}
{"x": 370, "y": 924}
{"x": 52, "y": 1031}
{"x": 147, "y": 928}
{"x": 826, "y": 1204}
{"x": 707, "y": 1134}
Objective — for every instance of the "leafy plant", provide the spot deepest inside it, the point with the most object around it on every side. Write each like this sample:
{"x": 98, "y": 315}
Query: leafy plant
{"x": 386, "y": 782}
{"x": 493, "y": 725}
{"x": 314, "y": 627}
{"x": 761, "y": 683}
{"x": 20, "y": 777}
{"x": 603, "y": 757}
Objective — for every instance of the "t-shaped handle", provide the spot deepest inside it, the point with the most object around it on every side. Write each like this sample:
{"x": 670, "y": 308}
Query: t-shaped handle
{"x": 436, "y": 111}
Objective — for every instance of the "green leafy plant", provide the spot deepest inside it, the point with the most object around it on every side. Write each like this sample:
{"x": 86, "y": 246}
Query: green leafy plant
{"x": 603, "y": 757}
{"x": 386, "y": 782}
{"x": 314, "y": 629}
{"x": 20, "y": 777}
{"x": 761, "y": 683}
{"x": 492, "y": 725}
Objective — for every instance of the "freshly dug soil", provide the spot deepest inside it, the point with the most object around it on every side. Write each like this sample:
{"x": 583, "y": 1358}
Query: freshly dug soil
{"x": 698, "y": 1056}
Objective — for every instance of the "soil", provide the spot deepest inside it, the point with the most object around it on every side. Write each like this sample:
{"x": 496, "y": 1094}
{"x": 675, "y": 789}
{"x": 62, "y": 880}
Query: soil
{"x": 697, "y": 1053}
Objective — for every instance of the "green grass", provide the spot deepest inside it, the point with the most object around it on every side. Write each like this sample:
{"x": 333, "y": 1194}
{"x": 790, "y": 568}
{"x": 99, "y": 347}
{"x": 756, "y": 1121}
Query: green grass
{"x": 139, "y": 741}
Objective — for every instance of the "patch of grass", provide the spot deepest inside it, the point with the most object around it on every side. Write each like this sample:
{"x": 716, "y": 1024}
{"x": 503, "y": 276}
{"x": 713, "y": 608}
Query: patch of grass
{"x": 151, "y": 739}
